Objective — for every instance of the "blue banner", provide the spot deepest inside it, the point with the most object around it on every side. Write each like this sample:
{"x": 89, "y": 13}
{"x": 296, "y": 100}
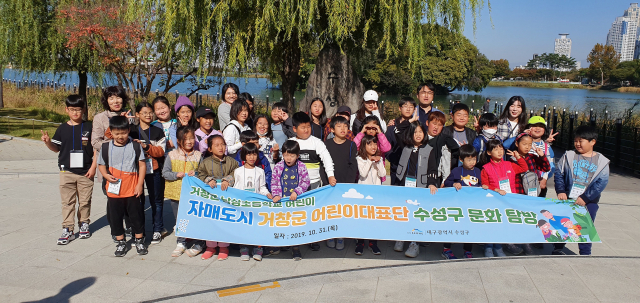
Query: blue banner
{"x": 471, "y": 215}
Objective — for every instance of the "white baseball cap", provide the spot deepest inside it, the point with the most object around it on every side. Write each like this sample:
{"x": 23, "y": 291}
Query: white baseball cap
{"x": 370, "y": 95}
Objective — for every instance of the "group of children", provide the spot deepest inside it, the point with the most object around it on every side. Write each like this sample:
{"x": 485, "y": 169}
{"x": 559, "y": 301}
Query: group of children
{"x": 290, "y": 155}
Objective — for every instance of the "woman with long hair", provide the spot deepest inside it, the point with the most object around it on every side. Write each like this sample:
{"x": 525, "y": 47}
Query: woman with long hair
{"x": 368, "y": 107}
{"x": 513, "y": 119}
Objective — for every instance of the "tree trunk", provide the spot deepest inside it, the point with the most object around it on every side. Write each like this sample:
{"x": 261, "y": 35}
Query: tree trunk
{"x": 334, "y": 81}
{"x": 1, "y": 87}
{"x": 289, "y": 71}
{"x": 601, "y": 77}
{"x": 82, "y": 91}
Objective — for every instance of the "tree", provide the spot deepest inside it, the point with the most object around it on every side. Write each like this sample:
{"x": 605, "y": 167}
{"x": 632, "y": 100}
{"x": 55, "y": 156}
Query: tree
{"x": 525, "y": 74}
{"x": 627, "y": 71}
{"x": 273, "y": 32}
{"x": 603, "y": 59}
{"x": 501, "y": 68}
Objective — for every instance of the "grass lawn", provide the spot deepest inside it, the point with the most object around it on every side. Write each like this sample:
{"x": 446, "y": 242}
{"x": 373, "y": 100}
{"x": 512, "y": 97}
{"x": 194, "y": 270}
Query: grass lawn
{"x": 25, "y": 128}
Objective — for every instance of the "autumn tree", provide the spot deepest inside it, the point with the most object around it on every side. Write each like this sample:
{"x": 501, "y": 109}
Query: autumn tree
{"x": 602, "y": 59}
{"x": 501, "y": 68}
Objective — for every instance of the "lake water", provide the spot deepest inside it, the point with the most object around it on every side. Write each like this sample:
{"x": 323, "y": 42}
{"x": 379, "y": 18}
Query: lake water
{"x": 535, "y": 98}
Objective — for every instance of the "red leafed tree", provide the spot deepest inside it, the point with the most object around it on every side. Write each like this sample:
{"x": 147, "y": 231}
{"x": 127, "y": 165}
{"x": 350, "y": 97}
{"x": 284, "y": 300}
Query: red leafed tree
{"x": 130, "y": 48}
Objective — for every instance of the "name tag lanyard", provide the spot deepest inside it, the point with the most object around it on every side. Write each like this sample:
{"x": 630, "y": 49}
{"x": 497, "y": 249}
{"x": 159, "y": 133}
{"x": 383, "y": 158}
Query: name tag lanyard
{"x": 76, "y": 159}
{"x": 186, "y": 159}
{"x": 412, "y": 182}
{"x": 114, "y": 188}
{"x": 579, "y": 189}
{"x": 506, "y": 177}
{"x": 255, "y": 180}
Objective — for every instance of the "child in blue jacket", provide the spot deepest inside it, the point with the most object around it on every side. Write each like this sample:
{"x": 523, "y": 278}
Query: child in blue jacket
{"x": 582, "y": 174}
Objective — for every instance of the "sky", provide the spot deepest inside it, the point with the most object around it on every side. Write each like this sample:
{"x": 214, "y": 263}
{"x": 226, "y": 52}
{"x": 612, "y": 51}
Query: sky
{"x": 516, "y": 29}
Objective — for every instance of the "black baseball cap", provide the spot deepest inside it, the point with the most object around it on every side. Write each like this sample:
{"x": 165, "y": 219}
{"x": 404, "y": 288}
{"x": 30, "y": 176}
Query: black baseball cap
{"x": 344, "y": 109}
{"x": 203, "y": 111}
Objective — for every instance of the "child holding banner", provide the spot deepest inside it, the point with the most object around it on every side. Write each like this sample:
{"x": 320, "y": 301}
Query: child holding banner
{"x": 180, "y": 162}
{"x": 217, "y": 169}
{"x": 465, "y": 175}
{"x": 371, "y": 169}
{"x": 417, "y": 168}
{"x": 251, "y": 178}
{"x": 582, "y": 174}
{"x": 290, "y": 177}
{"x": 500, "y": 176}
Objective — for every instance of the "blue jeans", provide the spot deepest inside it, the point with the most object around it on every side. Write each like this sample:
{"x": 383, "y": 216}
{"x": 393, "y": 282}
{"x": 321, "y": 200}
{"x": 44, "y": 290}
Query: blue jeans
{"x": 494, "y": 246}
{"x": 155, "y": 190}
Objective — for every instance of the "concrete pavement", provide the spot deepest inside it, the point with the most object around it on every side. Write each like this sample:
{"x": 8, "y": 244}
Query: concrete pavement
{"x": 34, "y": 268}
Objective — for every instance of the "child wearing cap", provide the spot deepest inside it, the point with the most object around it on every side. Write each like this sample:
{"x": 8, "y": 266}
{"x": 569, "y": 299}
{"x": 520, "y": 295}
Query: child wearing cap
{"x": 368, "y": 107}
{"x": 205, "y": 118}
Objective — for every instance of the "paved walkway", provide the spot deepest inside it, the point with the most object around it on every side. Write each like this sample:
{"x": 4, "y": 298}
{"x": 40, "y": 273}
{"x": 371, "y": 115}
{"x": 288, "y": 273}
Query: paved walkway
{"x": 34, "y": 268}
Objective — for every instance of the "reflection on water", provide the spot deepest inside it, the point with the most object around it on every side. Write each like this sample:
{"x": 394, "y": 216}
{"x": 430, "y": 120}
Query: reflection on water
{"x": 535, "y": 98}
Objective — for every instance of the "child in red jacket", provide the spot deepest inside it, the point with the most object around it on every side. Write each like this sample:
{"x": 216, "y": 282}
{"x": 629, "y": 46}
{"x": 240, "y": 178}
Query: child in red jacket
{"x": 500, "y": 176}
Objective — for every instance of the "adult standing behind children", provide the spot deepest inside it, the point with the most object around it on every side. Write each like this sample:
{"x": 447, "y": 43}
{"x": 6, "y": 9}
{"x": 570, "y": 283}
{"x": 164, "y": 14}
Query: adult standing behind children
{"x": 425, "y": 93}
{"x": 77, "y": 163}
{"x": 230, "y": 93}
{"x": 513, "y": 119}
{"x": 318, "y": 114}
{"x": 368, "y": 107}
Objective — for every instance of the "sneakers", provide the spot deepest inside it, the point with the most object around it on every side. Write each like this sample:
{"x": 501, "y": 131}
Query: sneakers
{"x": 413, "y": 250}
{"x": 558, "y": 252}
{"x": 141, "y": 247}
{"x": 208, "y": 253}
{"x": 297, "y": 256}
{"x": 468, "y": 255}
{"x": 528, "y": 250}
{"x": 488, "y": 252}
{"x": 339, "y": 244}
{"x": 499, "y": 252}
{"x": 359, "y": 249}
{"x": 373, "y": 247}
{"x": 121, "y": 249}
{"x": 331, "y": 243}
{"x": 195, "y": 250}
{"x": 315, "y": 246}
{"x": 514, "y": 249}
{"x": 244, "y": 253}
{"x": 399, "y": 247}
{"x": 272, "y": 251}
{"x": 223, "y": 254}
{"x": 180, "y": 248}
{"x": 157, "y": 238}
{"x": 128, "y": 233}
{"x": 257, "y": 253}
{"x": 447, "y": 254}
{"x": 84, "y": 231}
{"x": 66, "y": 237}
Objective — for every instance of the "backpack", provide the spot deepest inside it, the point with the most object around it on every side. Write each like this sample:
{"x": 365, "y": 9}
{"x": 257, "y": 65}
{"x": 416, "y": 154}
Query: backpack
{"x": 105, "y": 157}
{"x": 530, "y": 181}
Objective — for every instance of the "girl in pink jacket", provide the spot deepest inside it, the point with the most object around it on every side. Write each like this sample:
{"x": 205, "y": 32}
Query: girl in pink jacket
{"x": 371, "y": 126}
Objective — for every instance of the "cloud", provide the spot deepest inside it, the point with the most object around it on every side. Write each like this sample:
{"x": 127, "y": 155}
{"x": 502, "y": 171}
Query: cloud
{"x": 369, "y": 197}
{"x": 352, "y": 193}
{"x": 489, "y": 195}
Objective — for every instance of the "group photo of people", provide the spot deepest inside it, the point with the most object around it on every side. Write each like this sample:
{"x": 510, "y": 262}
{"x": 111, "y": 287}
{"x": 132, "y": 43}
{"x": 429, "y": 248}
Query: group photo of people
{"x": 283, "y": 154}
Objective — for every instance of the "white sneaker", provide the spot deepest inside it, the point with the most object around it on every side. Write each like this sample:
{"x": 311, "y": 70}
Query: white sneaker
{"x": 157, "y": 238}
{"x": 339, "y": 244}
{"x": 399, "y": 246}
{"x": 413, "y": 250}
{"x": 331, "y": 243}
{"x": 180, "y": 248}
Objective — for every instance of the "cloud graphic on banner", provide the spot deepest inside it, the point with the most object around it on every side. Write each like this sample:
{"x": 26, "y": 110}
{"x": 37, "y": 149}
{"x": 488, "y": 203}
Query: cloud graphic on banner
{"x": 369, "y": 197}
{"x": 489, "y": 195}
{"x": 352, "y": 193}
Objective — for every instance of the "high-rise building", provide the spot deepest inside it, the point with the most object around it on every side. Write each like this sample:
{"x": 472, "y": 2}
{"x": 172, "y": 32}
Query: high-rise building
{"x": 633, "y": 12}
{"x": 622, "y": 36}
{"x": 563, "y": 45}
